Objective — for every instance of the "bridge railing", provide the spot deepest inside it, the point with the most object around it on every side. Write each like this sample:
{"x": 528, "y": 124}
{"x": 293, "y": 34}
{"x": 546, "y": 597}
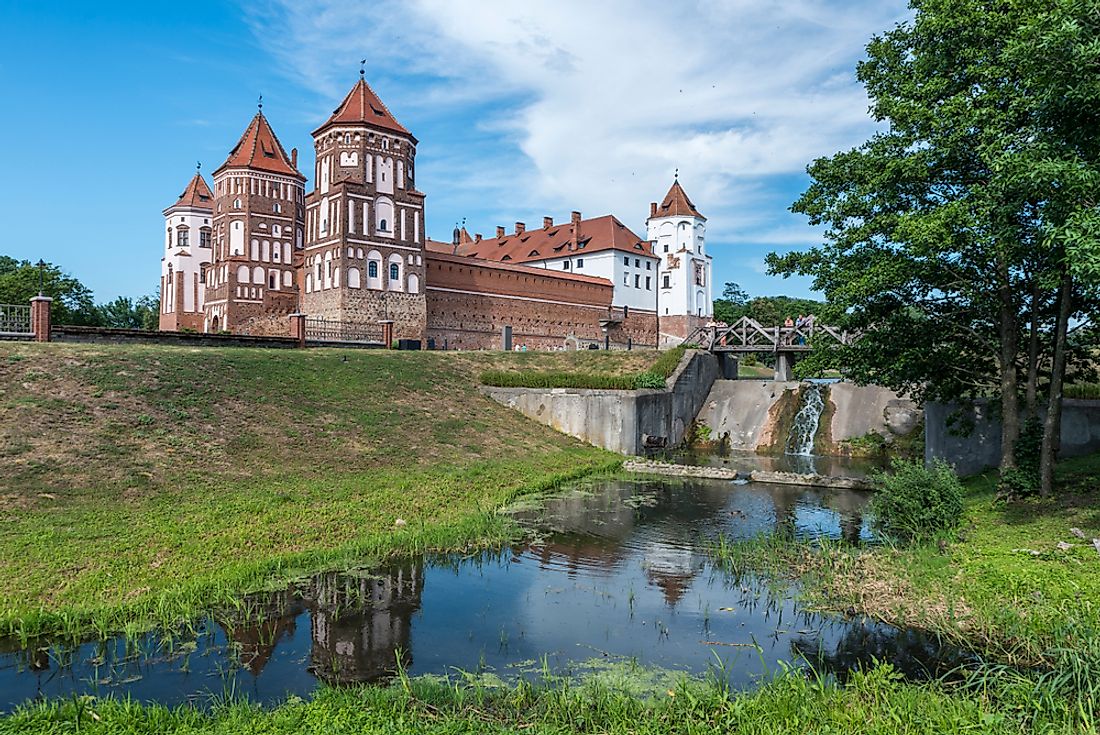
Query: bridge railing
{"x": 749, "y": 335}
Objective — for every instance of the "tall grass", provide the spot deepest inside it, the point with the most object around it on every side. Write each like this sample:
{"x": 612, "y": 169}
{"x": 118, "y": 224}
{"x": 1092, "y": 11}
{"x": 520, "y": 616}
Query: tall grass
{"x": 654, "y": 377}
{"x": 1089, "y": 391}
{"x": 875, "y": 701}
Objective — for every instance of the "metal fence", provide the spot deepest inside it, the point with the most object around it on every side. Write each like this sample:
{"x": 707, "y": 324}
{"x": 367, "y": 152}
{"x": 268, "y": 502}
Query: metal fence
{"x": 319, "y": 329}
{"x": 15, "y": 319}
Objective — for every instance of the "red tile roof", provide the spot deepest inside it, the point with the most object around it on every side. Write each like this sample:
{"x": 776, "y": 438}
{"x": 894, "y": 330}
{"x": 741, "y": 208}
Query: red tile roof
{"x": 677, "y": 204}
{"x": 261, "y": 150}
{"x": 197, "y": 194}
{"x": 592, "y": 235}
{"x": 363, "y": 106}
{"x": 443, "y": 251}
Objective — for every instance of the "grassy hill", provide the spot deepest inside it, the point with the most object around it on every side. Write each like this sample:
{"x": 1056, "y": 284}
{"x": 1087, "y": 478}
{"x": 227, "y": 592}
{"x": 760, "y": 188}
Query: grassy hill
{"x": 139, "y": 483}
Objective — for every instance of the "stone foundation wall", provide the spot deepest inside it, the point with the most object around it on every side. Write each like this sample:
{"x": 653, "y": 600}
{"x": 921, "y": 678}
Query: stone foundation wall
{"x": 407, "y": 311}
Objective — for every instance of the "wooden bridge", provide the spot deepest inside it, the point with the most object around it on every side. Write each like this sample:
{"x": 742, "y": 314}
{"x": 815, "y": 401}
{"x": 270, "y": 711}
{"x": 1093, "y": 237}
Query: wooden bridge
{"x": 786, "y": 343}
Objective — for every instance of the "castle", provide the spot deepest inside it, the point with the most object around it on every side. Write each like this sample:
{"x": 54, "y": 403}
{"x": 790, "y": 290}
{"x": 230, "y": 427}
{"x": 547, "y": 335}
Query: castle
{"x": 353, "y": 253}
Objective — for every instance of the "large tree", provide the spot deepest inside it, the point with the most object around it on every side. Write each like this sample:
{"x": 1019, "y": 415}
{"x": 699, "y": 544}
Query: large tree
{"x": 72, "y": 300}
{"x": 937, "y": 247}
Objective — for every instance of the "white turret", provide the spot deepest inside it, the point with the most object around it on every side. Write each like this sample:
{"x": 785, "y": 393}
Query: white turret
{"x": 678, "y": 232}
{"x": 187, "y": 251}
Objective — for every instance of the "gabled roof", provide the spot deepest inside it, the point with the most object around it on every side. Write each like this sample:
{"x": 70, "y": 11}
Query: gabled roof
{"x": 677, "y": 204}
{"x": 363, "y": 107}
{"x": 591, "y": 236}
{"x": 197, "y": 195}
{"x": 260, "y": 149}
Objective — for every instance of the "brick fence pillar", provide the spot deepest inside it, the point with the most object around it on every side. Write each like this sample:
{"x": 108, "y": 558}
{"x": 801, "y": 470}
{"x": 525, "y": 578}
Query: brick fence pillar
{"x": 298, "y": 328}
{"x": 387, "y": 333}
{"x": 40, "y": 318}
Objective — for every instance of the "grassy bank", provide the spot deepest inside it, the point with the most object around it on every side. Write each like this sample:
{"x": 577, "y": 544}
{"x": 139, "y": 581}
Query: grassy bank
{"x": 140, "y": 483}
{"x": 1015, "y": 585}
{"x": 1002, "y": 585}
{"x": 869, "y": 703}
{"x": 656, "y": 369}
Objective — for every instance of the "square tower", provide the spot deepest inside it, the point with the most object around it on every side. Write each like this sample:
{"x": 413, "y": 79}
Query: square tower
{"x": 364, "y": 252}
{"x": 259, "y": 204}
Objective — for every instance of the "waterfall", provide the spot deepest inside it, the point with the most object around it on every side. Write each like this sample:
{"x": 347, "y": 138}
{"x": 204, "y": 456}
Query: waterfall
{"x": 800, "y": 442}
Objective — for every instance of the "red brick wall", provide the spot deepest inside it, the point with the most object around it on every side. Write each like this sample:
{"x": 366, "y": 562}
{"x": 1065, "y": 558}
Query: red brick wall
{"x": 470, "y": 302}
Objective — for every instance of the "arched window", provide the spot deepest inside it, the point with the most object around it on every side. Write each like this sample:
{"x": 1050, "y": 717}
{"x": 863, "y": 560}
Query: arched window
{"x": 243, "y": 274}
{"x": 395, "y": 272}
{"x": 372, "y": 269}
{"x": 258, "y": 275}
{"x": 272, "y": 280}
{"x": 384, "y": 226}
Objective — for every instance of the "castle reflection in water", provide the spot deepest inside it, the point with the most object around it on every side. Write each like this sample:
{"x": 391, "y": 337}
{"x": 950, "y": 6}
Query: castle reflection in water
{"x": 358, "y": 623}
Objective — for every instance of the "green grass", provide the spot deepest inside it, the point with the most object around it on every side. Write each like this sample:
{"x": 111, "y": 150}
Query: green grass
{"x": 1083, "y": 390}
{"x": 876, "y": 702}
{"x": 141, "y": 484}
{"x": 654, "y": 376}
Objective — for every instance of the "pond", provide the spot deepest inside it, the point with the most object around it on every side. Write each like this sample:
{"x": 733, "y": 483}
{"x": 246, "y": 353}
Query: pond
{"x": 616, "y": 573}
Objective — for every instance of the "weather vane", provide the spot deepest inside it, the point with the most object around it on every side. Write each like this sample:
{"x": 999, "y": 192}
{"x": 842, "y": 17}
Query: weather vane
{"x": 198, "y": 166}
{"x": 677, "y": 175}
{"x": 362, "y": 68}
{"x": 260, "y": 102}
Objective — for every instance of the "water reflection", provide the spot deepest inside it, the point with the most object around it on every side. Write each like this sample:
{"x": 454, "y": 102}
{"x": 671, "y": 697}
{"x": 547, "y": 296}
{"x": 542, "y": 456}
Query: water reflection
{"x": 618, "y": 574}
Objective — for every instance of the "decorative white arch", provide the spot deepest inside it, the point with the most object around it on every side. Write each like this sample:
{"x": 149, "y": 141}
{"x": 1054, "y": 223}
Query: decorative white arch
{"x": 353, "y": 278}
{"x": 414, "y": 284}
{"x": 243, "y": 274}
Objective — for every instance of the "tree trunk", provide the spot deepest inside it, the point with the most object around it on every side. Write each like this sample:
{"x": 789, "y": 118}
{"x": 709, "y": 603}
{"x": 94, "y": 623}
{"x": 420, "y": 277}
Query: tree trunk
{"x": 1052, "y": 426}
{"x": 1032, "y": 399}
{"x": 1010, "y": 398}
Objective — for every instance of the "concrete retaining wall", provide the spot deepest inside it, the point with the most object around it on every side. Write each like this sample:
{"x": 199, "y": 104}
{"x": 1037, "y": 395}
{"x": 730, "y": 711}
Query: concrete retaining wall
{"x": 615, "y": 419}
{"x": 980, "y": 449}
{"x": 744, "y": 410}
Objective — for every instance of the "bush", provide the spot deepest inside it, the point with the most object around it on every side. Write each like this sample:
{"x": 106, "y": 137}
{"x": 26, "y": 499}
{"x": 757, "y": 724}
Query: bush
{"x": 916, "y": 503}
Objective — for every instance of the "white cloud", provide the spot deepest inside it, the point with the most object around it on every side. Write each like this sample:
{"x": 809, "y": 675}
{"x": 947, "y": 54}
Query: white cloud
{"x": 596, "y": 103}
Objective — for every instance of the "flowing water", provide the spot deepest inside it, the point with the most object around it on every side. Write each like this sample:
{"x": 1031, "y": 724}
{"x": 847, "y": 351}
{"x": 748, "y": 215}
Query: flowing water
{"x": 617, "y": 574}
{"x": 800, "y": 442}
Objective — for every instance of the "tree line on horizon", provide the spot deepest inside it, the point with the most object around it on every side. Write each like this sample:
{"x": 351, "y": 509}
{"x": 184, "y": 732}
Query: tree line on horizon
{"x": 73, "y": 302}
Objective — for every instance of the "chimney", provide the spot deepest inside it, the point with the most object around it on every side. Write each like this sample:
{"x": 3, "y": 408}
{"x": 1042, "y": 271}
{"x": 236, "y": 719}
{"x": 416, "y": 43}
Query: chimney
{"x": 653, "y": 209}
{"x": 547, "y": 223}
{"x": 500, "y": 231}
{"x": 477, "y": 237}
{"x": 520, "y": 228}
{"x": 576, "y": 218}
{"x": 294, "y": 158}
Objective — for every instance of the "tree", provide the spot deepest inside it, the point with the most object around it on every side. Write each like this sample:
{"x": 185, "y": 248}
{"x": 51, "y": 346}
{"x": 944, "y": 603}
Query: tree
{"x": 125, "y": 313}
{"x": 768, "y": 310}
{"x": 72, "y": 300}
{"x": 727, "y": 309}
{"x": 937, "y": 247}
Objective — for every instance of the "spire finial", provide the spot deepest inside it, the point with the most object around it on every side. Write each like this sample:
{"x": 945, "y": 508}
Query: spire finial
{"x": 363, "y": 69}
{"x": 677, "y": 174}
{"x": 260, "y": 103}
{"x": 198, "y": 166}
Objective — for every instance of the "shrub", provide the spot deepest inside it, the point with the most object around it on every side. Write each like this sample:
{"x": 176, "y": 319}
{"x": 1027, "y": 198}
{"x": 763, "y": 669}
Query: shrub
{"x": 916, "y": 503}
{"x": 1023, "y": 480}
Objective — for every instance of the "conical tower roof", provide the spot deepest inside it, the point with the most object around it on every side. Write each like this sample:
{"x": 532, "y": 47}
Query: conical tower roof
{"x": 363, "y": 107}
{"x": 677, "y": 204}
{"x": 196, "y": 195}
{"x": 260, "y": 149}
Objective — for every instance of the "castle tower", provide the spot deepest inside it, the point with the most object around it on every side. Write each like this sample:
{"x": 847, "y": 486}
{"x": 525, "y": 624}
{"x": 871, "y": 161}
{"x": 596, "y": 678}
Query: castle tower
{"x": 187, "y": 253}
{"x": 259, "y": 199}
{"x": 364, "y": 255}
{"x": 678, "y": 232}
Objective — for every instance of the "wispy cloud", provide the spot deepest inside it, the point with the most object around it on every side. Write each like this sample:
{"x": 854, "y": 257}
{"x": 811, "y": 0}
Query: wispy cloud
{"x": 579, "y": 105}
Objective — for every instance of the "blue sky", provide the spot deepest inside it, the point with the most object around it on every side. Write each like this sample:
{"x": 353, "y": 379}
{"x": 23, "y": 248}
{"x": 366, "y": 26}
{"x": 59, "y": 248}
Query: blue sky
{"x": 523, "y": 109}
